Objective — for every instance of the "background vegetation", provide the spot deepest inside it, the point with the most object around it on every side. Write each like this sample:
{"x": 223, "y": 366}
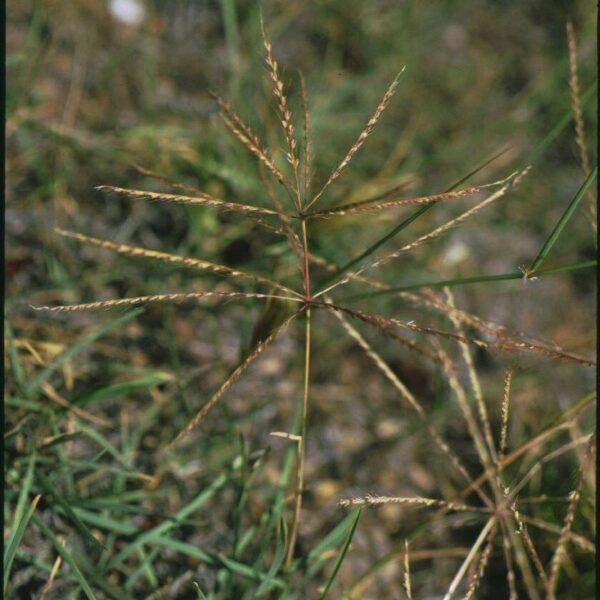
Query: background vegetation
{"x": 95, "y": 505}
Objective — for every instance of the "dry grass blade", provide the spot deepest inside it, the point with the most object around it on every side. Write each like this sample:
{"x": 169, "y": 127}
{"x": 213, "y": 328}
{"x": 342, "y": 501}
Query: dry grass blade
{"x": 484, "y": 557}
{"x": 412, "y": 401}
{"x": 465, "y": 408}
{"x": 237, "y": 126}
{"x": 578, "y": 540}
{"x": 284, "y": 111}
{"x": 483, "y": 535}
{"x": 202, "y": 198}
{"x": 511, "y": 181}
{"x": 235, "y": 375}
{"x": 578, "y": 116}
{"x": 406, "y": 580}
{"x": 475, "y": 385}
{"x": 362, "y": 137}
{"x": 173, "y": 297}
{"x": 560, "y": 552}
{"x": 371, "y": 500}
{"x": 372, "y": 205}
{"x": 194, "y": 263}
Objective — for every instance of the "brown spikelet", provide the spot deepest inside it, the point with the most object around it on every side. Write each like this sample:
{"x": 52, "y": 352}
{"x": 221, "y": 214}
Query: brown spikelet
{"x": 501, "y": 343}
{"x": 174, "y": 297}
{"x": 235, "y": 375}
{"x": 202, "y": 198}
{"x": 529, "y": 546}
{"x": 243, "y": 132}
{"x": 186, "y": 261}
{"x": 424, "y": 299}
{"x": 287, "y": 224}
{"x": 560, "y": 551}
{"x": 458, "y": 577}
{"x": 362, "y": 137}
{"x": 475, "y": 384}
{"x": 411, "y": 400}
{"x": 578, "y": 116}
{"x": 190, "y": 189}
{"x": 511, "y": 181}
{"x": 307, "y": 138}
{"x": 466, "y": 410}
{"x": 282, "y": 105}
{"x": 373, "y": 205}
{"x": 372, "y": 500}
{"x": 481, "y": 565}
{"x": 508, "y": 375}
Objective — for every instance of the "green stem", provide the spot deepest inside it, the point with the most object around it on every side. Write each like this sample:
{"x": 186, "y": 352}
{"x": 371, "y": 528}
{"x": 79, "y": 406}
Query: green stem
{"x": 476, "y": 279}
{"x": 301, "y": 448}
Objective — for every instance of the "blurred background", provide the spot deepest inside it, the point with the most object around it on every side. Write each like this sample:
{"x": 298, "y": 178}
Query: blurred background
{"x": 98, "y": 87}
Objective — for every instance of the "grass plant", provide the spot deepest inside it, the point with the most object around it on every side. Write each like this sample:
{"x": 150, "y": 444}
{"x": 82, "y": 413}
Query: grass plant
{"x": 122, "y": 540}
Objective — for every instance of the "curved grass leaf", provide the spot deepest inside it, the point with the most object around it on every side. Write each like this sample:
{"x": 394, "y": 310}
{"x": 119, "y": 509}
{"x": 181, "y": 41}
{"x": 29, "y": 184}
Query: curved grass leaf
{"x": 278, "y": 557}
{"x": 343, "y": 553}
{"x": 20, "y": 523}
{"x": 562, "y": 222}
{"x": 59, "y": 361}
{"x": 66, "y": 556}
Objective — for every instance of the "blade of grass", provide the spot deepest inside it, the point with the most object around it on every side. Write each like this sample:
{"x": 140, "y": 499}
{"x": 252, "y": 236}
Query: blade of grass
{"x": 343, "y": 553}
{"x": 18, "y": 531}
{"x": 169, "y": 524}
{"x": 278, "y": 557}
{"x": 59, "y": 361}
{"x": 57, "y": 498}
{"x": 66, "y": 556}
{"x": 562, "y": 222}
{"x": 13, "y": 355}
{"x": 117, "y": 390}
{"x": 564, "y": 121}
{"x": 313, "y": 559}
{"x": 18, "y": 515}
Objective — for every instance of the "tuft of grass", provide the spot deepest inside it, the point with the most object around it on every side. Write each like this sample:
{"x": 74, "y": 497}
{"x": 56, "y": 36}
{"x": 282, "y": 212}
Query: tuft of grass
{"x": 102, "y": 492}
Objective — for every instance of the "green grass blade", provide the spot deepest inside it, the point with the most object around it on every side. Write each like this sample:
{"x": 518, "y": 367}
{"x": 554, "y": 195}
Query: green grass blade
{"x": 13, "y": 356}
{"x": 58, "y": 499}
{"x": 278, "y": 557}
{"x": 18, "y": 531}
{"x": 19, "y": 511}
{"x": 421, "y": 211}
{"x": 340, "y": 559}
{"x": 564, "y": 121}
{"x": 66, "y": 556}
{"x": 59, "y": 361}
{"x": 475, "y": 279}
{"x": 562, "y": 222}
{"x": 117, "y": 390}
{"x": 330, "y": 541}
{"x": 158, "y": 532}
{"x": 214, "y": 560}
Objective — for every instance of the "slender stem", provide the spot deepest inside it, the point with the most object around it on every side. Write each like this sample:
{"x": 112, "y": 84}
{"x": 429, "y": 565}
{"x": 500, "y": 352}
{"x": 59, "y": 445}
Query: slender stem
{"x": 302, "y": 441}
{"x": 301, "y": 449}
